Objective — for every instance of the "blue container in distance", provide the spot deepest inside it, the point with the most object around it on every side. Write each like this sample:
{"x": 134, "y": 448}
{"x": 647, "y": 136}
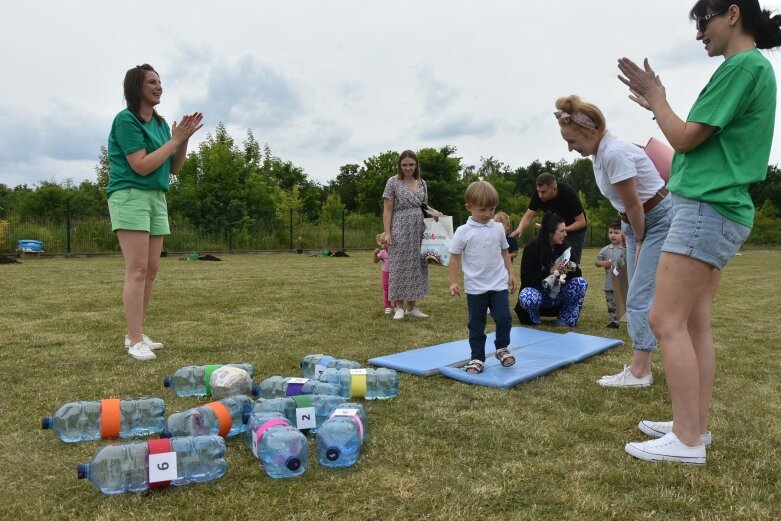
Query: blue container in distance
{"x": 29, "y": 245}
{"x": 111, "y": 418}
{"x": 341, "y": 436}
{"x": 135, "y": 467}
{"x": 223, "y": 417}
{"x": 193, "y": 380}
{"x": 371, "y": 384}
{"x": 279, "y": 387}
{"x": 304, "y": 412}
{"x": 282, "y": 449}
{"x": 313, "y": 365}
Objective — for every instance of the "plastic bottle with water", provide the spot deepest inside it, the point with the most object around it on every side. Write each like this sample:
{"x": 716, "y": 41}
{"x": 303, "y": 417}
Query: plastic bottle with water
{"x": 194, "y": 380}
{"x": 304, "y": 412}
{"x": 112, "y": 418}
{"x": 340, "y": 437}
{"x": 371, "y": 384}
{"x": 313, "y": 365}
{"x": 279, "y": 387}
{"x": 135, "y": 467}
{"x": 282, "y": 449}
{"x": 223, "y": 417}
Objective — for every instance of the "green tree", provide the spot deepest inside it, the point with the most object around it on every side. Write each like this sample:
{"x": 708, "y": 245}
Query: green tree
{"x": 371, "y": 181}
{"x": 102, "y": 168}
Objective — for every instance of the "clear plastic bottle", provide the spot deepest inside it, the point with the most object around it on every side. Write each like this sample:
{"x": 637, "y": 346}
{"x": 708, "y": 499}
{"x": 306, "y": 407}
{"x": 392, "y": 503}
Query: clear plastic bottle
{"x": 224, "y": 418}
{"x": 135, "y": 467}
{"x": 313, "y": 365}
{"x": 112, "y": 418}
{"x": 282, "y": 449}
{"x": 371, "y": 384}
{"x": 304, "y": 412}
{"x": 341, "y": 436}
{"x": 279, "y": 387}
{"x": 193, "y": 380}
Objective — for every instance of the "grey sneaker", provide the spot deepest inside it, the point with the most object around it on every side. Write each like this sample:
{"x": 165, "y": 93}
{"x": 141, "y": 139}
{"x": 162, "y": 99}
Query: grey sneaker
{"x": 626, "y": 379}
{"x": 667, "y": 448}
{"x": 659, "y": 429}
{"x": 141, "y": 351}
{"x": 151, "y": 344}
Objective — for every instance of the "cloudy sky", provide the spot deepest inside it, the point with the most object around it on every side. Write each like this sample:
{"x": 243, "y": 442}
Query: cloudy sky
{"x": 330, "y": 82}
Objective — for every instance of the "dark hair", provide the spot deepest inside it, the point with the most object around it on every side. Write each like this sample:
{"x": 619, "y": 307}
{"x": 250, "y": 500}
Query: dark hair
{"x": 615, "y": 224}
{"x": 405, "y": 155}
{"x": 550, "y": 221}
{"x": 758, "y": 22}
{"x": 546, "y": 179}
{"x": 134, "y": 81}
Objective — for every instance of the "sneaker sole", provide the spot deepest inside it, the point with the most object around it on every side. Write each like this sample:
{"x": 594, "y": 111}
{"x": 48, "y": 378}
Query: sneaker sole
{"x": 647, "y": 456}
{"x": 143, "y": 358}
{"x": 625, "y": 386}
{"x": 650, "y": 431}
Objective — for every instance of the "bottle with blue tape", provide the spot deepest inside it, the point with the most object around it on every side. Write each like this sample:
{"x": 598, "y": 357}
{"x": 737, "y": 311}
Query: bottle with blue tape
{"x": 371, "y": 384}
{"x": 313, "y": 365}
{"x": 222, "y": 417}
{"x": 111, "y": 418}
{"x": 304, "y": 412}
{"x": 282, "y": 449}
{"x": 194, "y": 380}
{"x": 139, "y": 466}
{"x": 341, "y": 436}
{"x": 278, "y": 387}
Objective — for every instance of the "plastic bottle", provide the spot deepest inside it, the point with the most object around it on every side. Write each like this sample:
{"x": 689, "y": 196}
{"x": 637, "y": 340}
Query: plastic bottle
{"x": 372, "y": 384}
{"x": 134, "y": 467}
{"x": 224, "y": 418}
{"x": 340, "y": 437}
{"x": 112, "y": 418}
{"x": 304, "y": 412}
{"x": 313, "y": 365}
{"x": 193, "y": 380}
{"x": 282, "y": 449}
{"x": 279, "y": 387}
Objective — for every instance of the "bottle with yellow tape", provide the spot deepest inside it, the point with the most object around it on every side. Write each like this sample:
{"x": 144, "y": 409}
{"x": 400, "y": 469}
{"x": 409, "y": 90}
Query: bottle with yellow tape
{"x": 371, "y": 384}
{"x": 223, "y": 417}
{"x": 111, "y": 418}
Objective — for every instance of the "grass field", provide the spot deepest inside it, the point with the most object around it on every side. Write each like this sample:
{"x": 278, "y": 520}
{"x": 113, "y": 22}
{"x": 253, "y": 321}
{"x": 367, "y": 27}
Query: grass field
{"x": 551, "y": 448}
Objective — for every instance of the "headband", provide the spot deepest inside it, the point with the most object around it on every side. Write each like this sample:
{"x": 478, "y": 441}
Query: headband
{"x": 578, "y": 118}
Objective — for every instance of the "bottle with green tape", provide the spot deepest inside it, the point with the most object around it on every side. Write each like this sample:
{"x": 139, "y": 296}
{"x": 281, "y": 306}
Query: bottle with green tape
{"x": 193, "y": 380}
{"x": 306, "y": 412}
{"x": 371, "y": 384}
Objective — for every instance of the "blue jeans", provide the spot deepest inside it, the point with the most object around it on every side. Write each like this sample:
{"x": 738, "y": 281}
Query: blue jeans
{"x": 642, "y": 277}
{"x": 569, "y": 301}
{"x": 478, "y": 305}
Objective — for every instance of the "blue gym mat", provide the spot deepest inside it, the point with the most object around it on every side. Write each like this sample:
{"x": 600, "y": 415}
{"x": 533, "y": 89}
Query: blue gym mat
{"x": 534, "y": 360}
{"x": 425, "y": 361}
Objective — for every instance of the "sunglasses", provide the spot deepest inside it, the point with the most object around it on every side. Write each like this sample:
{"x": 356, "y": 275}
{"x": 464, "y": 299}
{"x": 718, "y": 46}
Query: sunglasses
{"x": 702, "y": 21}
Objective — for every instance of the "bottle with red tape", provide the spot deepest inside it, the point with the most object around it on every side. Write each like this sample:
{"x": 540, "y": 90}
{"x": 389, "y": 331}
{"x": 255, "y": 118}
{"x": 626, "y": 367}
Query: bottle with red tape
{"x": 371, "y": 384}
{"x": 223, "y": 417}
{"x": 282, "y": 449}
{"x": 111, "y": 418}
{"x": 139, "y": 466}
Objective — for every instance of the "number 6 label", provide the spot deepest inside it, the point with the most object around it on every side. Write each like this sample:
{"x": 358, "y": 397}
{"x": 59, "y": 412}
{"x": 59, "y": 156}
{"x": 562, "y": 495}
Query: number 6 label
{"x": 162, "y": 467}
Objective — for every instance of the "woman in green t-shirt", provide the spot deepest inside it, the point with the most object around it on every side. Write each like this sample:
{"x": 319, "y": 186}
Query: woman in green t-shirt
{"x": 143, "y": 153}
{"x": 720, "y": 149}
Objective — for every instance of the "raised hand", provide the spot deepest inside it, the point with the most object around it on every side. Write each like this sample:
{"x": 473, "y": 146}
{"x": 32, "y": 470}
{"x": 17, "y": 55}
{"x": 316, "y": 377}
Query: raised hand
{"x": 644, "y": 84}
{"x": 190, "y": 124}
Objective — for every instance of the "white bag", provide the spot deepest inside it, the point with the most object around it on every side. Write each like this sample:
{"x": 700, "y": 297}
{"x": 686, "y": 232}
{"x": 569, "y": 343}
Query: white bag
{"x": 435, "y": 246}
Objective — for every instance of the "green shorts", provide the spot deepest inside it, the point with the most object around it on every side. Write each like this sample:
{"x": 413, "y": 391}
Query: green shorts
{"x": 139, "y": 210}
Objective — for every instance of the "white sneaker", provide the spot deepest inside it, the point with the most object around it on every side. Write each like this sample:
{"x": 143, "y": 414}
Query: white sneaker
{"x": 399, "y": 314}
{"x": 141, "y": 351}
{"x": 151, "y": 344}
{"x": 388, "y": 311}
{"x": 626, "y": 379}
{"x": 415, "y": 312}
{"x": 667, "y": 448}
{"x": 659, "y": 429}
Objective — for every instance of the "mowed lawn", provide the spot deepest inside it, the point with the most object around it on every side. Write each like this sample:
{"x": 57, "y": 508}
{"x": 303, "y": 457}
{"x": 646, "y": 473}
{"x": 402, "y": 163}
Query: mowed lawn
{"x": 551, "y": 448}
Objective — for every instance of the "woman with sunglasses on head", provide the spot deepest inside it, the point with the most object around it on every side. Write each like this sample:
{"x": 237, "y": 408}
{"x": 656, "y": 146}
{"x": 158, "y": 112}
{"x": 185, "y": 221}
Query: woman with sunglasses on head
{"x": 143, "y": 154}
{"x": 721, "y": 148}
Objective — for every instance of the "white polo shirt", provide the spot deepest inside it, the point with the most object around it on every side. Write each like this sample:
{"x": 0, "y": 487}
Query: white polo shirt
{"x": 480, "y": 246}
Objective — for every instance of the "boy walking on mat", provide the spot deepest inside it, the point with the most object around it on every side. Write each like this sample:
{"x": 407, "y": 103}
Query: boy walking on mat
{"x": 480, "y": 248}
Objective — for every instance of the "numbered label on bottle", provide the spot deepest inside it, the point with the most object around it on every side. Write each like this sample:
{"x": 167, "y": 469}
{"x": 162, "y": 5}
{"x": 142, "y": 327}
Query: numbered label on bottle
{"x": 305, "y": 418}
{"x": 255, "y": 441}
{"x": 297, "y": 380}
{"x": 345, "y": 412}
{"x": 162, "y": 467}
{"x": 359, "y": 371}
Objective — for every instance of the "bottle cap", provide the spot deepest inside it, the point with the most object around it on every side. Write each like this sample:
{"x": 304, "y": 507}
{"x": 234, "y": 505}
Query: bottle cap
{"x": 82, "y": 470}
{"x": 332, "y": 454}
{"x": 46, "y": 422}
{"x": 293, "y": 464}
{"x": 167, "y": 381}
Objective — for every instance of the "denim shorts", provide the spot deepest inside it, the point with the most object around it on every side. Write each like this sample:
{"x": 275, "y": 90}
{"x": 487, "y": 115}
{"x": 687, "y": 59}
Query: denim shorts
{"x": 700, "y": 232}
{"x": 139, "y": 210}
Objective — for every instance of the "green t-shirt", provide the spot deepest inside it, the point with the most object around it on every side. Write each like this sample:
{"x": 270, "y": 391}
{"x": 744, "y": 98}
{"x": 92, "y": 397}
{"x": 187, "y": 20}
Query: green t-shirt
{"x": 129, "y": 135}
{"x": 740, "y": 101}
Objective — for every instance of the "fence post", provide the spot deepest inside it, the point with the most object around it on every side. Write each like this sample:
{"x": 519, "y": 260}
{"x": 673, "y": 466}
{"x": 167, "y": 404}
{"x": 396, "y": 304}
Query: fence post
{"x": 230, "y": 230}
{"x": 344, "y": 210}
{"x": 68, "y": 226}
{"x": 291, "y": 229}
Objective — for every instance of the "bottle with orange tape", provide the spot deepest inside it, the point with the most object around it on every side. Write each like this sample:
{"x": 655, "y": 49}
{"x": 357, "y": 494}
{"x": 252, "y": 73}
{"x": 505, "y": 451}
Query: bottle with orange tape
{"x": 139, "y": 466}
{"x": 282, "y": 449}
{"x": 223, "y": 417}
{"x": 111, "y": 418}
{"x": 371, "y": 384}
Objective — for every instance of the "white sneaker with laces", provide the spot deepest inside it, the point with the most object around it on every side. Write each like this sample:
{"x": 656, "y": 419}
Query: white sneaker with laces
{"x": 415, "y": 312}
{"x": 388, "y": 311}
{"x": 659, "y": 429}
{"x": 141, "y": 351}
{"x": 151, "y": 344}
{"x": 399, "y": 314}
{"x": 667, "y": 448}
{"x": 626, "y": 379}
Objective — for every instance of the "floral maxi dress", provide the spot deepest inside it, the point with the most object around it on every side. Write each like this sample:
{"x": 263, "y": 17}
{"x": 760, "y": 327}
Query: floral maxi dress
{"x": 408, "y": 268}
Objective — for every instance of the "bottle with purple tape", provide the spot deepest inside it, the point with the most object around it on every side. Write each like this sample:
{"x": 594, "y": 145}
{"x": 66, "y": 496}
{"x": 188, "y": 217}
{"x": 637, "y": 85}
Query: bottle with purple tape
{"x": 222, "y": 417}
{"x": 341, "y": 436}
{"x": 282, "y": 449}
{"x": 111, "y": 418}
{"x": 371, "y": 384}
{"x": 304, "y": 412}
{"x": 194, "y": 380}
{"x": 313, "y": 365}
{"x": 278, "y": 387}
{"x": 139, "y": 466}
